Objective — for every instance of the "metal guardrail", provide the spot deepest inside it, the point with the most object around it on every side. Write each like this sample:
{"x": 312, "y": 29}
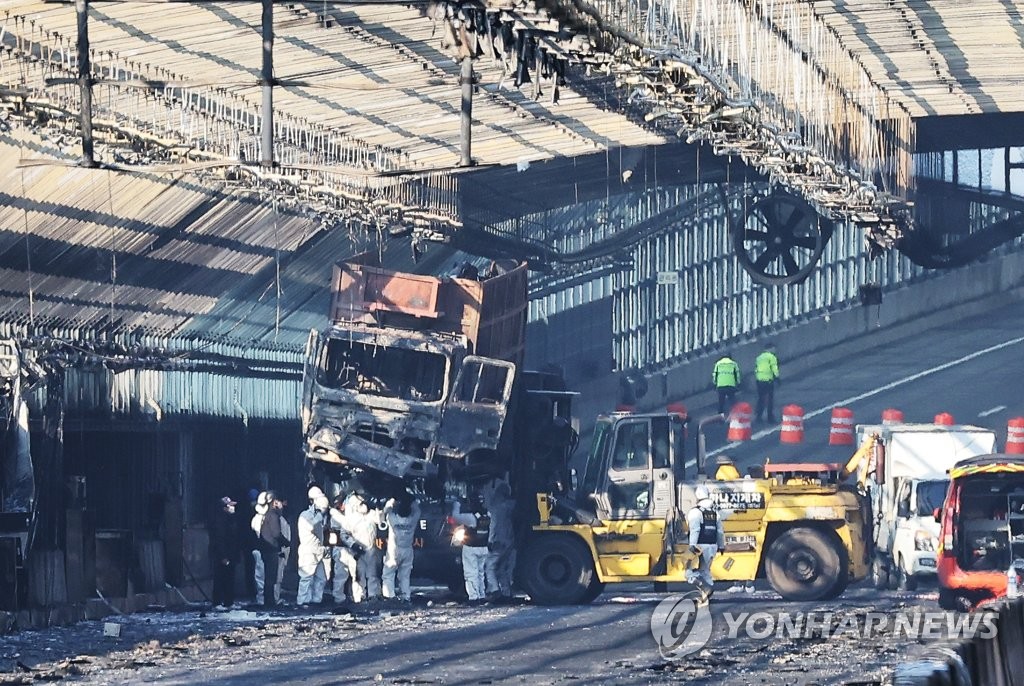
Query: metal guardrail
{"x": 982, "y": 661}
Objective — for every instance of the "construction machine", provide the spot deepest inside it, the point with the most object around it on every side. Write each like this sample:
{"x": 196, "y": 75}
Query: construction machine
{"x": 799, "y": 526}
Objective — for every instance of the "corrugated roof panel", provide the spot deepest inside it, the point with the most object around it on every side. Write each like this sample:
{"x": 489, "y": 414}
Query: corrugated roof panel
{"x": 378, "y": 76}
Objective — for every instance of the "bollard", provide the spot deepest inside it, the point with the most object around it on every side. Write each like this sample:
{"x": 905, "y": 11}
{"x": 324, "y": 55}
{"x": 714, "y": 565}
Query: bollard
{"x": 892, "y": 416}
{"x": 792, "y": 424}
{"x": 739, "y": 422}
{"x": 944, "y": 419}
{"x": 841, "y": 432}
{"x": 1015, "y": 436}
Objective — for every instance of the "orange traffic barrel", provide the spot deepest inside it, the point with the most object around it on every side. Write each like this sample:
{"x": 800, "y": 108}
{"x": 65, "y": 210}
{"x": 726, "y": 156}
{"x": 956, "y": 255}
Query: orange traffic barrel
{"x": 792, "y": 424}
{"x": 1015, "y": 436}
{"x": 944, "y": 419}
{"x": 841, "y": 432}
{"x": 625, "y": 408}
{"x": 892, "y": 416}
{"x": 739, "y": 422}
{"x": 676, "y": 408}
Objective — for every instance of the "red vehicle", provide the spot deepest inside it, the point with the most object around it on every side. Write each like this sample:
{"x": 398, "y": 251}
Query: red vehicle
{"x": 981, "y": 540}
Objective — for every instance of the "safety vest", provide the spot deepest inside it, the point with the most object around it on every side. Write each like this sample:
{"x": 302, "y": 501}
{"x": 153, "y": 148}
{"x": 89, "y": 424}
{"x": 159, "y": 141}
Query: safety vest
{"x": 708, "y": 527}
{"x": 726, "y": 374}
{"x": 477, "y": 536}
{"x": 766, "y": 366}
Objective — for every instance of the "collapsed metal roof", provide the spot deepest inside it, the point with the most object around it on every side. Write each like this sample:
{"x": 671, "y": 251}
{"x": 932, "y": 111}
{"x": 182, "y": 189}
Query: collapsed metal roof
{"x": 96, "y": 254}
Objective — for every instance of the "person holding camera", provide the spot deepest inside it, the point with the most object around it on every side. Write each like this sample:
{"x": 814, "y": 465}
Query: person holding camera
{"x": 345, "y": 551}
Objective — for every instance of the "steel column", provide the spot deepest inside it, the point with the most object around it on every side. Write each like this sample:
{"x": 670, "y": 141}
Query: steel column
{"x": 85, "y": 83}
{"x": 267, "y": 79}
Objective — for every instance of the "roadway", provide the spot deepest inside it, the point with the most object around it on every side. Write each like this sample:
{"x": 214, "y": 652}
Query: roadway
{"x": 972, "y": 369}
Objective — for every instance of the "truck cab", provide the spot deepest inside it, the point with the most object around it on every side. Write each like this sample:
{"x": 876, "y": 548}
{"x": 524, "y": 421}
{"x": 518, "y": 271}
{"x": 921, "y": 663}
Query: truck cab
{"x": 411, "y": 372}
{"x": 906, "y": 478}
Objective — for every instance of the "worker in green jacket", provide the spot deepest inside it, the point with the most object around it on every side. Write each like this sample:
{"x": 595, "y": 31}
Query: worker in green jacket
{"x": 766, "y": 372}
{"x": 726, "y": 377}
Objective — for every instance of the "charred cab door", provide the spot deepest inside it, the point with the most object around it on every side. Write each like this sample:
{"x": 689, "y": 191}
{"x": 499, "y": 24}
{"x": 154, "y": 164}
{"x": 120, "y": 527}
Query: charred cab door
{"x": 476, "y": 410}
{"x": 308, "y": 377}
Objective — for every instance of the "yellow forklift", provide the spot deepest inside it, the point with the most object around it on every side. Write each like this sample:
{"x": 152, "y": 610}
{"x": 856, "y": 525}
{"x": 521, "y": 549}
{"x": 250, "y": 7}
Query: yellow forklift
{"x": 796, "y": 525}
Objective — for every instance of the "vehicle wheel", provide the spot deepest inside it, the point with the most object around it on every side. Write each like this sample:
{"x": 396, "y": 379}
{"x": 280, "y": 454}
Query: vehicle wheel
{"x": 904, "y": 581}
{"x": 557, "y": 570}
{"x": 879, "y": 574}
{"x": 595, "y": 589}
{"x": 805, "y": 564}
{"x": 841, "y": 585}
{"x": 894, "y": 578}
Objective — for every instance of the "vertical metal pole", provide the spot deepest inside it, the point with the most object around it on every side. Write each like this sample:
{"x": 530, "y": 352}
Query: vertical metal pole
{"x": 267, "y": 79}
{"x": 466, "y": 134}
{"x": 85, "y": 82}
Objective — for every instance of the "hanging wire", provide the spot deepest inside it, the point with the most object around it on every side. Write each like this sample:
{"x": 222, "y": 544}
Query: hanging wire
{"x": 28, "y": 255}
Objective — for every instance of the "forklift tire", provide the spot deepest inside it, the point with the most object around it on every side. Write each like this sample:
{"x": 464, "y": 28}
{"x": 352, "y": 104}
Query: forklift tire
{"x": 879, "y": 575}
{"x": 805, "y": 564}
{"x": 841, "y": 585}
{"x": 558, "y": 570}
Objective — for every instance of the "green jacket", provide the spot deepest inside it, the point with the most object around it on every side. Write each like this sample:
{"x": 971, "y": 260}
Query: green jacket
{"x": 766, "y": 366}
{"x": 726, "y": 373}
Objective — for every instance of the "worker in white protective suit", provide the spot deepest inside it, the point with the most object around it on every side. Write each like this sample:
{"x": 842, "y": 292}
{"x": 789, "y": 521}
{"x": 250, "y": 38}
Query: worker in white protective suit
{"x": 476, "y": 526}
{"x": 401, "y": 516}
{"x": 313, "y": 555}
{"x": 345, "y": 552}
{"x": 286, "y": 532}
{"x": 262, "y": 505}
{"x": 501, "y": 556}
{"x": 362, "y": 523}
{"x": 705, "y": 533}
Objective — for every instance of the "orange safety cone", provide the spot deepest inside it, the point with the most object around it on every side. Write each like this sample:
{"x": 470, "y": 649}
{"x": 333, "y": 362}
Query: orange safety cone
{"x": 1015, "y": 436}
{"x": 739, "y": 422}
{"x": 792, "y": 424}
{"x": 841, "y": 432}
{"x": 891, "y": 416}
{"x": 676, "y": 408}
{"x": 944, "y": 419}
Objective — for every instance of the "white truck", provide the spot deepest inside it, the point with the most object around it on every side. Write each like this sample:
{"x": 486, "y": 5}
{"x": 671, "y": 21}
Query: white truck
{"x": 907, "y": 479}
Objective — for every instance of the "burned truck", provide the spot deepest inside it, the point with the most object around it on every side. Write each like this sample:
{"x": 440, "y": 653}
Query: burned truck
{"x": 416, "y": 385}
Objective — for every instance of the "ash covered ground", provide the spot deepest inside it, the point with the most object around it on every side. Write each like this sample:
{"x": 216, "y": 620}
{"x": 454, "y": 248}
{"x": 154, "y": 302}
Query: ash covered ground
{"x": 436, "y": 641}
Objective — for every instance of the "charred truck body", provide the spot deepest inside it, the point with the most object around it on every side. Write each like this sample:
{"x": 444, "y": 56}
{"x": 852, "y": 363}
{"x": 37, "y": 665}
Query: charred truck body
{"x": 416, "y": 385}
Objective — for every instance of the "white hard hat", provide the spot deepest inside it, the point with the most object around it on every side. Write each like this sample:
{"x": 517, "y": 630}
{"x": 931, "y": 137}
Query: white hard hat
{"x": 320, "y": 502}
{"x": 702, "y": 492}
{"x": 314, "y": 493}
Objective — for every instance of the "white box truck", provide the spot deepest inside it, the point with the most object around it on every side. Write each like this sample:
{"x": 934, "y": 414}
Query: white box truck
{"x": 907, "y": 479}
